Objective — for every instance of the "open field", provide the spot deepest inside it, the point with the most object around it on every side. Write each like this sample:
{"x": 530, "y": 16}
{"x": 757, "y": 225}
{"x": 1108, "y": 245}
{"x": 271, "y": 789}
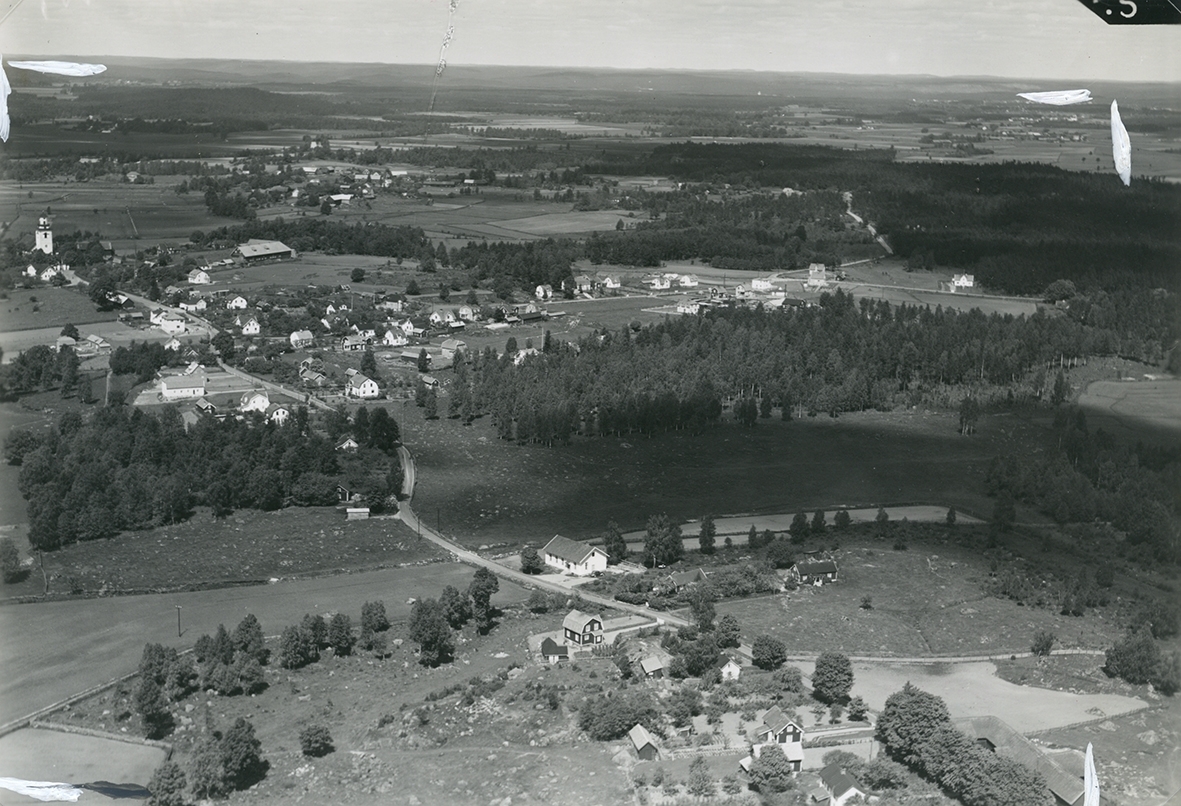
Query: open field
{"x": 487, "y": 489}
{"x": 117, "y": 333}
{"x": 1134, "y": 407}
{"x": 38, "y": 754}
{"x": 565, "y": 223}
{"x": 120, "y": 212}
{"x": 928, "y": 600}
{"x": 248, "y": 545}
{"x": 100, "y": 639}
{"x": 57, "y": 307}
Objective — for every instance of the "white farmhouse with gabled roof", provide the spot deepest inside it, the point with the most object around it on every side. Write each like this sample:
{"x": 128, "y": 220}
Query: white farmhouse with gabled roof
{"x": 571, "y": 556}
{"x": 362, "y": 386}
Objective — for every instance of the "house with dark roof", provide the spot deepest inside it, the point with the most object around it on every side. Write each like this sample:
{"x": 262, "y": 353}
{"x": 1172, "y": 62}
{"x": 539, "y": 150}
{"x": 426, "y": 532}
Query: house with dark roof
{"x": 553, "y": 652}
{"x": 643, "y": 743}
{"x": 814, "y": 572}
{"x": 999, "y": 737}
{"x": 679, "y": 580}
{"x": 778, "y": 728}
{"x": 582, "y": 629}
{"x": 573, "y": 557}
{"x": 841, "y": 786}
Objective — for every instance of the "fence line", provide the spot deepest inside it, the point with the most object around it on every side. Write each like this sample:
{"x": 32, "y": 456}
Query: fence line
{"x": 1085, "y": 722}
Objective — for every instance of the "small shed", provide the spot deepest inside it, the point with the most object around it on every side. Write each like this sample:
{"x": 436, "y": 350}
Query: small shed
{"x": 553, "y": 652}
{"x": 652, "y": 666}
{"x": 644, "y": 744}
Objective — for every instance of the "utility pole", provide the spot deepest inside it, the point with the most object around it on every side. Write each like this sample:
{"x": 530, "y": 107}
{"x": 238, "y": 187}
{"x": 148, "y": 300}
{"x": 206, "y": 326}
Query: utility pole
{"x": 178, "y": 632}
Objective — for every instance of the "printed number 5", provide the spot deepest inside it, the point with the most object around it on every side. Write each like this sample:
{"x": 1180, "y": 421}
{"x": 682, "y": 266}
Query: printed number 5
{"x": 1128, "y": 14}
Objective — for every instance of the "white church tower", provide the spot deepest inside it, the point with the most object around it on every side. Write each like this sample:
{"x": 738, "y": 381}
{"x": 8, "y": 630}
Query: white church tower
{"x": 44, "y": 236}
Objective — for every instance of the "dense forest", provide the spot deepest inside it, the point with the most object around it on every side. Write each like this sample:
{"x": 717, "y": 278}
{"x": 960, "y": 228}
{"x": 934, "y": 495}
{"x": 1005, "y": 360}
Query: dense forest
{"x": 123, "y": 469}
{"x": 840, "y": 356}
{"x": 1019, "y": 226}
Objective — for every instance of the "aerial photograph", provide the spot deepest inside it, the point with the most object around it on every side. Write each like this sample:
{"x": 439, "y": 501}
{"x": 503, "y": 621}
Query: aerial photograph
{"x": 590, "y": 402}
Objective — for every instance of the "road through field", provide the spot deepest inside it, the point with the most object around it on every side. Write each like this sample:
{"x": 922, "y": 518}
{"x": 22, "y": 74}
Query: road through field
{"x": 52, "y": 650}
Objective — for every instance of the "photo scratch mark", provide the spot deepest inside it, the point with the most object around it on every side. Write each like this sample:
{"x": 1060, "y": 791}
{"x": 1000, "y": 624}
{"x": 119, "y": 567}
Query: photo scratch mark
{"x": 442, "y": 65}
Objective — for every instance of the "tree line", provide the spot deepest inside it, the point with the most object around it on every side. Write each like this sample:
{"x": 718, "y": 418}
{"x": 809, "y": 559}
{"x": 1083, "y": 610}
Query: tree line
{"x": 839, "y": 356}
{"x": 121, "y": 469}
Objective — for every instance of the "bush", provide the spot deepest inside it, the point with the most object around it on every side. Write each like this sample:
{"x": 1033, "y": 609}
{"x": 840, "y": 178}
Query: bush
{"x": 315, "y": 741}
{"x": 1043, "y": 642}
{"x": 10, "y": 561}
{"x": 373, "y": 617}
{"x": 767, "y": 652}
{"x": 842, "y": 520}
{"x": 167, "y": 785}
{"x": 1135, "y": 659}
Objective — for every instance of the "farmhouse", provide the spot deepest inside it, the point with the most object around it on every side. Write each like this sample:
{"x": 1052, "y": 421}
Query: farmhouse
{"x": 959, "y": 281}
{"x": 182, "y": 387}
{"x": 394, "y": 337}
{"x": 362, "y": 387}
{"x": 658, "y": 283}
{"x": 301, "y": 339}
{"x": 999, "y": 737}
{"x": 236, "y": 303}
{"x": 251, "y": 327}
{"x": 254, "y": 250}
{"x": 643, "y": 743}
{"x": 583, "y": 284}
{"x": 779, "y": 729}
{"x": 688, "y": 281}
{"x": 815, "y": 572}
{"x": 553, "y": 652}
{"x": 816, "y": 276}
{"x": 840, "y": 786}
{"x": 582, "y": 629}
{"x": 573, "y": 557}
{"x": 352, "y": 344}
{"x": 254, "y": 401}
{"x": 199, "y": 277}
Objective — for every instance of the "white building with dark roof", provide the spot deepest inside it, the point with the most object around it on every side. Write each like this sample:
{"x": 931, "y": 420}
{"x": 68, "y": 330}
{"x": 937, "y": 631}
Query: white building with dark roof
{"x": 255, "y": 250}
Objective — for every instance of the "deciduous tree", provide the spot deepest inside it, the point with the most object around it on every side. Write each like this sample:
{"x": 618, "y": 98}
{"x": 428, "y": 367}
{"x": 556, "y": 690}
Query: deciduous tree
{"x": 430, "y": 630}
{"x": 833, "y": 678}
{"x": 767, "y": 652}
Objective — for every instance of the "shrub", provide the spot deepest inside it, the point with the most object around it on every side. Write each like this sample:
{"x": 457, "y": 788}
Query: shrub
{"x": 315, "y": 741}
{"x": 167, "y": 785}
{"x": 767, "y": 652}
{"x": 373, "y": 617}
{"x": 10, "y": 561}
{"x": 1135, "y": 658}
{"x": 1043, "y": 642}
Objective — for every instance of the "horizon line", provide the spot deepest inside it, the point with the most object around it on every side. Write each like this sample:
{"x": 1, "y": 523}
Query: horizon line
{"x": 430, "y": 67}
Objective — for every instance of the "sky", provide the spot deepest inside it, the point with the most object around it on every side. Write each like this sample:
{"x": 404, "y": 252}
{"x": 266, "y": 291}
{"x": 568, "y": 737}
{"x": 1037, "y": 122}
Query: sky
{"x": 1048, "y": 39}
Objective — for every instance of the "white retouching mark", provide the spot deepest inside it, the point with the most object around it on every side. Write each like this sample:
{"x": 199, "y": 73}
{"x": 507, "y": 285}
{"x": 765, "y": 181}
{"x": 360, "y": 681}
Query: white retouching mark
{"x": 452, "y": 6}
{"x": 1121, "y": 146}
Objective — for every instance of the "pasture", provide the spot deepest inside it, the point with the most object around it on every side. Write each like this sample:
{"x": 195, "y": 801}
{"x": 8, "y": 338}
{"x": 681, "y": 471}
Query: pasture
{"x": 570, "y": 223}
{"x": 927, "y": 600}
{"x": 1134, "y": 408}
{"x": 117, "y": 211}
{"x": 49, "y": 307}
{"x": 485, "y": 489}
{"x": 40, "y": 754}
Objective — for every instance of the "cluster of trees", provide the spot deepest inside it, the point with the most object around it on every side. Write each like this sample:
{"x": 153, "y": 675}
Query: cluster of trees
{"x": 839, "y": 356}
{"x": 611, "y": 715}
{"x": 1091, "y": 476}
{"x": 39, "y": 369}
{"x": 433, "y": 621}
{"x": 123, "y": 469}
{"x": 916, "y": 730}
{"x": 301, "y": 644}
{"x": 1139, "y": 656}
{"x": 1018, "y": 226}
{"x": 333, "y": 237}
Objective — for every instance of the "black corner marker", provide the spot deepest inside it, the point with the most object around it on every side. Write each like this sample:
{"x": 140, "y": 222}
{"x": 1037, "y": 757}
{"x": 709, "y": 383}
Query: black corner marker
{"x": 1136, "y": 12}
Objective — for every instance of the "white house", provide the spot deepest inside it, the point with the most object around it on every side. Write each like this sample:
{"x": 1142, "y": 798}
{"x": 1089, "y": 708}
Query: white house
{"x": 731, "y": 671}
{"x": 52, "y": 272}
{"x": 583, "y": 284}
{"x": 840, "y": 786}
{"x": 689, "y": 307}
{"x": 959, "y": 281}
{"x": 817, "y": 277}
{"x": 544, "y": 291}
{"x": 193, "y": 307}
{"x": 171, "y": 323}
{"x": 658, "y": 283}
{"x": 301, "y": 339}
{"x": 362, "y": 387}
{"x": 580, "y": 559}
{"x": 394, "y": 338}
{"x": 199, "y": 277}
{"x": 610, "y": 282}
{"x": 251, "y": 327}
{"x": 181, "y": 387}
{"x": 688, "y": 281}
{"x": 238, "y": 302}
{"x": 173, "y": 344}
{"x": 442, "y": 318}
{"x": 255, "y": 401}
{"x": 406, "y": 327}
{"x": 278, "y": 414}
{"x": 761, "y": 284}
{"x": 467, "y": 313}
